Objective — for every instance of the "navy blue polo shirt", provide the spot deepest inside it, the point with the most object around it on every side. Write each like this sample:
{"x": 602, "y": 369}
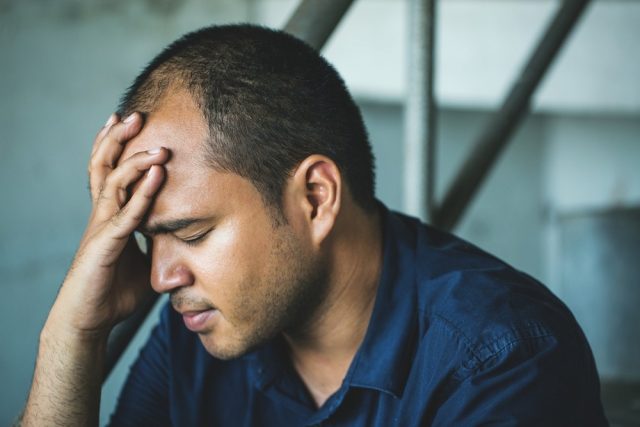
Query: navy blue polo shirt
{"x": 456, "y": 338}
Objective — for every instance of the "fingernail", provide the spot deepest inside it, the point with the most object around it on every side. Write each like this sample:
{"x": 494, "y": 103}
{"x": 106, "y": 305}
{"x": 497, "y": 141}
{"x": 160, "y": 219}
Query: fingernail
{"x": 154, "y": 151}
{"x": 130, "y": 118}
{"x": 112, "y": 118}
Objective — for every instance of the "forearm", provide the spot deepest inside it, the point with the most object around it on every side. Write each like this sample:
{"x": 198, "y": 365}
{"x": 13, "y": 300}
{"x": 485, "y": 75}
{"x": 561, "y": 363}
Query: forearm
{"x": 67, "y": 380}
{"x": 108, "y": 279}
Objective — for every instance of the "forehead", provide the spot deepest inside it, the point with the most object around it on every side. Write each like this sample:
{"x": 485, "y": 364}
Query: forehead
{"x": 176, "y": 124}
{"x": 192, "y": 188}
{"x": 204, "y": 193}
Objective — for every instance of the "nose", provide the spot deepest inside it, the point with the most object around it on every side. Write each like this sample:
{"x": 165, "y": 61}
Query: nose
{"x": 168, "y": 270}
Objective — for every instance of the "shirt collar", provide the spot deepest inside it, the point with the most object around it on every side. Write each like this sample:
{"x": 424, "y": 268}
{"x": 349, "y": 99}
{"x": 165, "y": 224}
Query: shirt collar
{"x": 385, "y": 356}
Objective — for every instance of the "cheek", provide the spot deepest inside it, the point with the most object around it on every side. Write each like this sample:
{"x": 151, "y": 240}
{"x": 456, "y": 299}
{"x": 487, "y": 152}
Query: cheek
{"x": 232, "y": 264}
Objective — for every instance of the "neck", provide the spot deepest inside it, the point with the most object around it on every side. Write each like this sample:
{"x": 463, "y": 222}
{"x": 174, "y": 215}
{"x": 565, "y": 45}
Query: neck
{"x": 323, "y": 351}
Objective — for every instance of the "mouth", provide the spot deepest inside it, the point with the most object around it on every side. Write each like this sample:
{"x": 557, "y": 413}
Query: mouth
{"x": 196, "y": 321}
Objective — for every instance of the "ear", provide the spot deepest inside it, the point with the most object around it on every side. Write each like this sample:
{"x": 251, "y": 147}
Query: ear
{"x": 317, "y": 190}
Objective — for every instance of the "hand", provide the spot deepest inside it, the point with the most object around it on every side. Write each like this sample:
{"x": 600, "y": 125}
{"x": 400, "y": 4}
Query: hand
{"x": 109, "y": 276}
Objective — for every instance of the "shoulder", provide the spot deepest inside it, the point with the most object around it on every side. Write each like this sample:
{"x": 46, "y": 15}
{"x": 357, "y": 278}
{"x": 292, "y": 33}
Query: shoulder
{"x": 492, "y": 342}
{"x": 485, "y": 308}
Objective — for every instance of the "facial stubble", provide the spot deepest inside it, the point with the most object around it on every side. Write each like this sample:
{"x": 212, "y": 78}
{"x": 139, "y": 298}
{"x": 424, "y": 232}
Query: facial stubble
{"x": 286, "y": 300}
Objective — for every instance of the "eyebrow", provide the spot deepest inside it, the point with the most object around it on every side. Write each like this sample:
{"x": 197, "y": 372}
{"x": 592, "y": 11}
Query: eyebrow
{"x": 169, "y": 226}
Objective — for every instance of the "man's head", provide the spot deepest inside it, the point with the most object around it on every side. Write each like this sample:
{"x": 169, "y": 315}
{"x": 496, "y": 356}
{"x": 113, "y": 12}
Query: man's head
{"x": 269, "y": 101}
{"x": 259, "y": 128}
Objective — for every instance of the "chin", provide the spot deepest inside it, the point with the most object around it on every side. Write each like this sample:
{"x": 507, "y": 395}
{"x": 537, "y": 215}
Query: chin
{"x": 219, "y": 348}
{"x": 224, "y": 348}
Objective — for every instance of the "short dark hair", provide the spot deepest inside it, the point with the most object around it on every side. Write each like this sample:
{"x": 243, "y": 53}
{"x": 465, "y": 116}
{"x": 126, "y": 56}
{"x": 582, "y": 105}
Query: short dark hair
{"x": 270, "y": 101}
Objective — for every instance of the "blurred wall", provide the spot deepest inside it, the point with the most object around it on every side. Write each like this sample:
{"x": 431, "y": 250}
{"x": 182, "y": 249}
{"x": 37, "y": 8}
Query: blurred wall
{"x": 64, "y": 66}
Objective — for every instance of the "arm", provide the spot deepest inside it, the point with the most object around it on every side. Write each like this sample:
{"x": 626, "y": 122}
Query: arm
{"x": 67, "y": 381}
{"x": 533, "y": 381}
{"x": 108, "y": 278}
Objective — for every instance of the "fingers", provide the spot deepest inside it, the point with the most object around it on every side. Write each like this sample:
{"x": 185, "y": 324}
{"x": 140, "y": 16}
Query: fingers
{"x": 113, "y": 118}
{"x": 114, "y": 193}
{"x": 108, "y": 147}
{"x": 130, "y": 216}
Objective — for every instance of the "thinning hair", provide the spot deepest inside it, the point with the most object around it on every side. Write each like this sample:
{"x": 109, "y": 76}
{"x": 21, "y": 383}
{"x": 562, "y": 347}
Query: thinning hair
{"x": 269, "y": 100}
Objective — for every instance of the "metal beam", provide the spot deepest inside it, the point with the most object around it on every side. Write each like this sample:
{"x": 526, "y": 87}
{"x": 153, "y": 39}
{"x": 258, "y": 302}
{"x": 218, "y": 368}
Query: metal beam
{"x": 314, "y": 20}
{"x": 497, "y": 133}
{"x": 420, "y": 111}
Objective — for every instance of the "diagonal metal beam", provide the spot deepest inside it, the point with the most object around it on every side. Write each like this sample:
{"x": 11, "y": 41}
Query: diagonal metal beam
{"x": 498, "y": 131}
{"x": 314, "y": 20}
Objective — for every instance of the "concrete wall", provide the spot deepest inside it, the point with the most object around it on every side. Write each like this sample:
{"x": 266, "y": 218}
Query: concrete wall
{"x": 598, "y": 277}
{"x": 508, "y": 213}
{"x": 64, "y": 66}
{"x": 592, "y": 188}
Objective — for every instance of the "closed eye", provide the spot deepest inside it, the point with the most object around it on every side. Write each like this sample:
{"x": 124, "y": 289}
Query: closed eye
{"x": 195, "y": 240}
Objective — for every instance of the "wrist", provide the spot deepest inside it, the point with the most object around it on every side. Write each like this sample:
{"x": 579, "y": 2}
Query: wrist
{"x": 62, "y": 329}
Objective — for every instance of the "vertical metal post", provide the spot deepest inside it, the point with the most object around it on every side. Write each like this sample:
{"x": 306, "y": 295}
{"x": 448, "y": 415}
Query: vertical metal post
{"x": 497, "y": 133}
{"x": 420, "y": 111}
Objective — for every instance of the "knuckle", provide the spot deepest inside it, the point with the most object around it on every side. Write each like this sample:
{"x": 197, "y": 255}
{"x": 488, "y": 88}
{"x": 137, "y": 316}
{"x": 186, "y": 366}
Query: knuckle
{"x": 107, "y": 131}
{"x": 147, "y": 196}
{"x": 115, "y": 134}
{"x": 110, "y": 179}
{"x": 93, "y": 162}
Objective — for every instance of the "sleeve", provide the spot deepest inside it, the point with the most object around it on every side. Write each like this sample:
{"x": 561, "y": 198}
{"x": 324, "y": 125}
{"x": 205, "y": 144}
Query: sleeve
{"x": 530, "y": 381}
{"x": 144, "y": 399}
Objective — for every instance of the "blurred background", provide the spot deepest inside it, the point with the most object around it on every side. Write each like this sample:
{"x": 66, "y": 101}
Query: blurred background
{"x": 562, "y": 203}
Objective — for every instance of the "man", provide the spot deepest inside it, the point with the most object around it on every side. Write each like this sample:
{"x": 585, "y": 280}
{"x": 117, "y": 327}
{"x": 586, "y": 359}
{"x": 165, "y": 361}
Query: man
{"x": 296, "y": 297}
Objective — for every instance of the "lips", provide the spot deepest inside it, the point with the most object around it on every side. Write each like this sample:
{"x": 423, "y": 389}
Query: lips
{"x": 196, "y": 320}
